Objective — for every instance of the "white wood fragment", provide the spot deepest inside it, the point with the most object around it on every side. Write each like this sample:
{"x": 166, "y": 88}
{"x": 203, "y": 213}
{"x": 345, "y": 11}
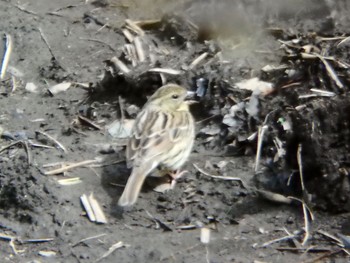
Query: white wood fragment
{"x": 31, "y": 87}
{"x": 169, "y": 71}
{"x": 139, "y": 49}
{"x": 97, "y": 210}
{"x": 114, "y": 247}
{"x": 69, "y": 181}
{"x": 205, "y": 235}
{"x": 198, "y": 60}
{"x": 47, "y": 253}
{"x": 6, "y": 58}
{"x": 60, "y": 87}
{"x": 86, "y": 204}
{"x": 120, "y": 65}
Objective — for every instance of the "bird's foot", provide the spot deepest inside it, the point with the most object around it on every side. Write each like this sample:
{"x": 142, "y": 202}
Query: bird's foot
{"x": 175, "y": 176}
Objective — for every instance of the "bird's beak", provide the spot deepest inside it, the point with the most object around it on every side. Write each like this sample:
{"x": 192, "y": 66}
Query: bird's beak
{"x": 190, "y": 97}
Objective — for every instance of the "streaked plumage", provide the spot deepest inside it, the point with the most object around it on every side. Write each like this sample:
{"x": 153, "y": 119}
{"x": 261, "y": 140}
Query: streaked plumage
{"x": 163, "y": 134}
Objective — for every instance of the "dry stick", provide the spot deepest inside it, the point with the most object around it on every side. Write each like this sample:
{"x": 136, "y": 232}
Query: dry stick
{"x": 318, "y": 259}
{"x": 337, "y": 240}
{"x": 227, "y": 178}
{"x": 261, "y": 133}
{"x": 14, "y": 84}
{"x": 134, "y": 27}
{"x": 24, "y": 145}
{"x": 330, "y": 71}
{"x": 53, "y": 139}
{"x": 128, "y": 35}
{"x": 198, "y": 60}
{"x": 6, "y": 58}
{"x": 344, "y": 40}
{"x": 29, "y": 155}
{"x": 120, "y": 65}
{"x": 305, "y": 209}
{"x": 139, "y": 49}
{"x": 114, "y": 247}
{"x": 69, "y": 167}
{"x": 268, "y": 243}
{"x": 98, "y": 41}
{"x": 25, "y": 10}
{"x": 49, "y": 47}
{"x": 86, "y": 239}
{"x": 169, "y": 71}
{"x": 89, "y": 122}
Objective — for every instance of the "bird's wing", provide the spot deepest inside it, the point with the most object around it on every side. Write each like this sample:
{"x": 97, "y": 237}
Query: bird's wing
{"x": 154, "y": 133}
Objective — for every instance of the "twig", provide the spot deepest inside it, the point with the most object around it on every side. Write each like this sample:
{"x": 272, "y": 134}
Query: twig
{"x": 69, "y": 167}
{"x": 330, "y": 71}
{"x": 319, "y": 259}
{"x": 120, "y": 65}
{"x": 88, "y": 238}
{"x": 285, "y": 238}
{"x": 89, "y": 122}
{"x": 121, "y": 106}
{"x": 114, "y": 247}
{"x": 261, "y": 133}
{"x": 128, "y": 35}
{"x": 25, "y": 10}
{"x": 24, "y": 144}
{"x": 49, "y": 47}
{"x": 227, "y": 178}
{"x": 169, "y": 71}
{"x": 134, "y": 27}
{"x": 54, "y": 140}
{"x": 6, "y": 58}
{"x": 139, "y": 49}
{"x": 337, "y": 240}
{"x": 98, "y": 41}
{"x": 198, "y": 60}
{"x": 305, "y": 208}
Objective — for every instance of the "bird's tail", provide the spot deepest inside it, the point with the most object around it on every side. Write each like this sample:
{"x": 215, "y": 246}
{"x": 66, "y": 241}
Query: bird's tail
{"x": 132, "y": 188}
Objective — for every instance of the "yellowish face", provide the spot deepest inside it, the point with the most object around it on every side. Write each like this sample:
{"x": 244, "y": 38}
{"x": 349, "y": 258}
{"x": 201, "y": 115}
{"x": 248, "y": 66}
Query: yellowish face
{"x": 169, "y": 97}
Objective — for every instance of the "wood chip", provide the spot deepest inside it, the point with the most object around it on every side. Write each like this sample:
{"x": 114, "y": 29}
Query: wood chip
{"x": 205, "y": 235}
{"x": 93, "y": 209}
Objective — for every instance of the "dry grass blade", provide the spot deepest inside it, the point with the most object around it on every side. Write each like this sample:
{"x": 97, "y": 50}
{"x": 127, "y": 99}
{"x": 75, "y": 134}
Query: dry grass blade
{"x": 114, "y": 247}
{"x": 337, "y": 240}
{"x": 261, "y": 134}
{"x": 134, "y": 27}
{"x": 342, "y": 42}
{"x": 89, "y": 122}
{"x": 285, "y": 238}
{"x": 25, "y": 146}
{"x": 69, "y": 181}
{"x": 227, "y": 178}
{"x": 7, "y": 55}
{"x": 53, "y": 140}
{"x": 88, "y": 238}
{"x": 198, "y": 60}
{"x": 169, "y": 71}
{"x": 331, "y": 71}
{"x": 71, "y": 166}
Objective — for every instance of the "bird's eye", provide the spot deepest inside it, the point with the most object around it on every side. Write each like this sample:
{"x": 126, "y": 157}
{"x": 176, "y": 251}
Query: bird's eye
{"x": 175, "y": 96}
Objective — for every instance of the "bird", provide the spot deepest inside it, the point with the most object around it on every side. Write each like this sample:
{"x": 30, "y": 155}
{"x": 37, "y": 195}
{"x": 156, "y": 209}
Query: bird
{"x": 162, "y": 136}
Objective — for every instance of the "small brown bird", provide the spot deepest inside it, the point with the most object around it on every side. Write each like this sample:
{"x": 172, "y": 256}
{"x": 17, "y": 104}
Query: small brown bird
{"x": 163, "y": 134}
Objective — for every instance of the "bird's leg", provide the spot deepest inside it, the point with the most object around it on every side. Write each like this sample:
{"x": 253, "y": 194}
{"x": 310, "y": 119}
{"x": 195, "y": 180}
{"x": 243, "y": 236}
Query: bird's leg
{"x": 176, "y": 175}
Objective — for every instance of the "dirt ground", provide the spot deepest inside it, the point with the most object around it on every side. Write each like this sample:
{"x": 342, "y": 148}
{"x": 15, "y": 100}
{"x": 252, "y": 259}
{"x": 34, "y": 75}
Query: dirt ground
{"x": 43, "y": 221}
